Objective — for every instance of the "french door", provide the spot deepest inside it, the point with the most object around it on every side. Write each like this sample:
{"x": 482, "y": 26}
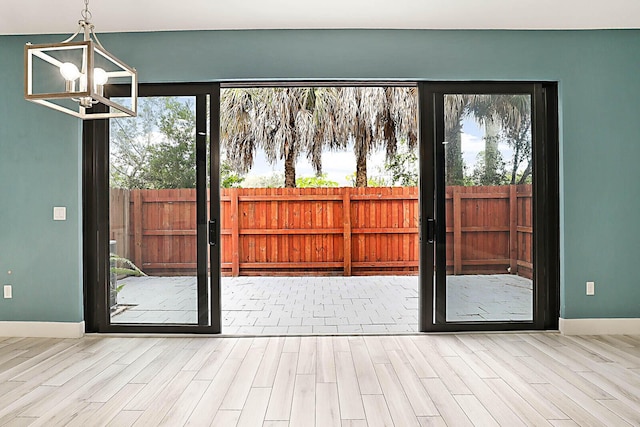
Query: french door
{"x": 156, "y": 201}
{"x": 489, "y": 233}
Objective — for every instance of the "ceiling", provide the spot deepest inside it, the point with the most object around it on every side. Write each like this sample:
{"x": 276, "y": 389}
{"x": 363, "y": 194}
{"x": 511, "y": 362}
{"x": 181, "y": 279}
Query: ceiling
{"x": 61, "y": 16}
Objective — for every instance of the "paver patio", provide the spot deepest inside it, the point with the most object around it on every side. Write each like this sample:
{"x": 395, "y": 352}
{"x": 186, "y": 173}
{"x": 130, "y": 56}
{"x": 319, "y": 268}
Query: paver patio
{"x": 301, "y": 305}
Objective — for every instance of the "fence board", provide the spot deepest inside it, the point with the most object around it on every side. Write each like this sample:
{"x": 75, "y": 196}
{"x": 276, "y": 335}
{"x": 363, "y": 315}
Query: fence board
{"x": 346, "y": 217}
{"x": 311, "y": 231}
{"x": 119, "y": 218}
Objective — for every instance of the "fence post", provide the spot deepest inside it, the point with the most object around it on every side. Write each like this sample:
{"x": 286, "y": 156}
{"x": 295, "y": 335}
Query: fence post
{"x": 137, "y": 227}
{"x": 457, "y": 231}
{"x": 235, "y": 233}
{"x": 513, "y": 228}
{"x": 346, "y": 220}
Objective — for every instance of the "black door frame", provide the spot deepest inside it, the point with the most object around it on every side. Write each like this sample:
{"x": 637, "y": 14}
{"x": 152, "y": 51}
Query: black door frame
{"x": 545, "y": 190}
{"x": 96, "y": 213}
{"x": 546, "y": 260}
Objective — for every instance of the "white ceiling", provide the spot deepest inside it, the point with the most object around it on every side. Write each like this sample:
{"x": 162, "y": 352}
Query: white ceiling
{"x": 61, "y": 16}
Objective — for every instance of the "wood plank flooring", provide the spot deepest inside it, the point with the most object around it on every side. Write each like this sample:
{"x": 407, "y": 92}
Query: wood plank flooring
{"x": 511, "y": 379}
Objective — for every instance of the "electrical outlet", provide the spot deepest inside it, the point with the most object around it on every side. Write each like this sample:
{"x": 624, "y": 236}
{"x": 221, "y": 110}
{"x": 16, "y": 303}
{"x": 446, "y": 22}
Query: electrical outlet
{"x": 591, "y": 288}
{"x": 8, "y": 292}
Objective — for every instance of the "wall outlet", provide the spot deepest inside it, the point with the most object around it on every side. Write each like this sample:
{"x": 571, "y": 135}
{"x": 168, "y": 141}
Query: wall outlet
{"x": 8, "y": 291}
{"x": 591, "y": 288}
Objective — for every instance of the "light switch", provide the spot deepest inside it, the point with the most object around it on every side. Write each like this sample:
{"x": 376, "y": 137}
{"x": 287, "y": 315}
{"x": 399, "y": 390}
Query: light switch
{"x": 59, "y": 213}
{"x": 7, "y": 292}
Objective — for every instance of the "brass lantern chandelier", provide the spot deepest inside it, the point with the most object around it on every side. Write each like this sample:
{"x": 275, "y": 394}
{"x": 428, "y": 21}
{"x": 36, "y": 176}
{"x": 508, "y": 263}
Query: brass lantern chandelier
{"x": 70, "y": 76}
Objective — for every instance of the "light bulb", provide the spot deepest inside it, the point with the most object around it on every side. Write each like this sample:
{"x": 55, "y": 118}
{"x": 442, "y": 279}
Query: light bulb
{"x": 69, "y": 71}
{"x": 100, "y": 77}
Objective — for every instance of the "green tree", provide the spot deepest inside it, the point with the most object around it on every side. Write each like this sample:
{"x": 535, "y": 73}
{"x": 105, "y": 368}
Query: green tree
{"x": 129, "y": 142}
{"x": 275, "y": 180}
{"x": 228, "y": 177}
{"x": 518, "y": 136}
{"x": 495, "y": 174}
{"x": 402, "y": 167}
{"x": 315, "y": 182}
{"x": 172, "y": 160}
{"x": 372, "y": 181}
{"x": 156, "y": 149}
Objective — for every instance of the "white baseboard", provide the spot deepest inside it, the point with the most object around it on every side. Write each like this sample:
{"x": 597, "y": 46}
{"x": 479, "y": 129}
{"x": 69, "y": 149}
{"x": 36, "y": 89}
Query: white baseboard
{"x": 600, "y": 326}
{"x": 42, "y": 329}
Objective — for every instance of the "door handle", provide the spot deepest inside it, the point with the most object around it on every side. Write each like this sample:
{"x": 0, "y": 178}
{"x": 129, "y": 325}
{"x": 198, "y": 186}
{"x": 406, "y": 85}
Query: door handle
{"x": 213, "y": 232}
{"x": 431, "y": 230}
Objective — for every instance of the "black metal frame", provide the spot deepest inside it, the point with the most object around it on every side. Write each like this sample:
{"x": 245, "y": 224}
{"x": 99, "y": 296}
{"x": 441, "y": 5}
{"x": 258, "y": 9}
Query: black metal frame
{"x": 546, "y": 258}
{"x": 317, "y": 83}
{"x": 95, "y": 223}
{"x": 96, "y": 213}
{"x": 431, "y": 126}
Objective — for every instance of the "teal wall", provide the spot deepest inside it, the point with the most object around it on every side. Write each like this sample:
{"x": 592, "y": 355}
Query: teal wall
{"x": 39, "y": 169}
{"x": 598, "y": 74}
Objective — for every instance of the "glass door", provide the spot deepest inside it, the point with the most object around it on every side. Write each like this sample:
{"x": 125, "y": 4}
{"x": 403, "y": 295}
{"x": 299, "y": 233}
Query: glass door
{"x": 163, "y": 262}
{"x": 490, "y": 237}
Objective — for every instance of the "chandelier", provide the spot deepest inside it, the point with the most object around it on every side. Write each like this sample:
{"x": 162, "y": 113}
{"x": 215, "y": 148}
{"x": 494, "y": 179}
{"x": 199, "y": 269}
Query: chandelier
{"x": 70, "y": 76}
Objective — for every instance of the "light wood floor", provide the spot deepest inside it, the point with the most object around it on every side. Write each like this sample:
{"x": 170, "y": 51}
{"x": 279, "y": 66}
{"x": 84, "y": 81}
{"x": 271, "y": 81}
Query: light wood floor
{"x": 456, "y": 380}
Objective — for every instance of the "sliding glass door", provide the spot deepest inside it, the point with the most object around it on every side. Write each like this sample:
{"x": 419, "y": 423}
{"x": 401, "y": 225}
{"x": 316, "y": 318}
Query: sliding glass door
{"x": 489, "y": 259}
{"x": 488, "y": 203}
{"x": 163, "y": 261}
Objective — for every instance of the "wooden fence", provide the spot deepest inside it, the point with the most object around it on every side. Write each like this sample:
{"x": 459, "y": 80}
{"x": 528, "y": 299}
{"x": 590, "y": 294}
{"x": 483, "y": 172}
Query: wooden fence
{"x": 489, "y": 230}
{"x": 325, "y": 231}
{"x": 119, "y": 221}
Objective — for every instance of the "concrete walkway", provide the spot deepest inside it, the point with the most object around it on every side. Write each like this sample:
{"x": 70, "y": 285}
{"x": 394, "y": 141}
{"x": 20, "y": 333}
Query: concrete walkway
{"x": 301, "y": 305}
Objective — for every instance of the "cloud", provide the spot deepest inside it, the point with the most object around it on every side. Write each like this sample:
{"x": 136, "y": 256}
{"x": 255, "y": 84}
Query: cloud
{"x": 471, "y": 146}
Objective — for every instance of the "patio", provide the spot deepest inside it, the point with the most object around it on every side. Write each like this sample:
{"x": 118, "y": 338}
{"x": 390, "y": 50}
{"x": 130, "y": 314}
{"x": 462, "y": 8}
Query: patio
{"x": 306, "y": 305}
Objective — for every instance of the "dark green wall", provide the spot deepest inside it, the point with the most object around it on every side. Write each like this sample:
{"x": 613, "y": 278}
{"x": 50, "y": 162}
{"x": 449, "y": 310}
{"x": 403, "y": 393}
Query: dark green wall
{"x": 599, "y": 81}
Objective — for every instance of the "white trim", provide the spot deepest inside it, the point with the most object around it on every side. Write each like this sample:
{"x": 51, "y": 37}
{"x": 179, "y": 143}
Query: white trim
{"x": 600, "y": 326}
{"x": 42, "y": 329}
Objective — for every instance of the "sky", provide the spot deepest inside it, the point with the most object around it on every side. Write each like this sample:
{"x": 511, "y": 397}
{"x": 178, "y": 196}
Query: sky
{"x": 337, "y": 165}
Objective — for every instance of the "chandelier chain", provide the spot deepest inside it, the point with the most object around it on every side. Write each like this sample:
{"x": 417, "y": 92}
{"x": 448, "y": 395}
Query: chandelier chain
{"x": 86, "y": 15}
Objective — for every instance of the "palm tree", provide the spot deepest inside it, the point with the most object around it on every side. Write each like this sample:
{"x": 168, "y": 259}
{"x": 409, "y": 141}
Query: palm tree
{"x": 375, "y": 117}
{"x": 519, "y": 138}
{"x": 514, "y": 112}
{"x": 510, "y": 114}
{"x": 284, "y": 122}
{"x": 455, "y": 107}
{"x": 287, "y": 122}
{"x": 237, "y": 135}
